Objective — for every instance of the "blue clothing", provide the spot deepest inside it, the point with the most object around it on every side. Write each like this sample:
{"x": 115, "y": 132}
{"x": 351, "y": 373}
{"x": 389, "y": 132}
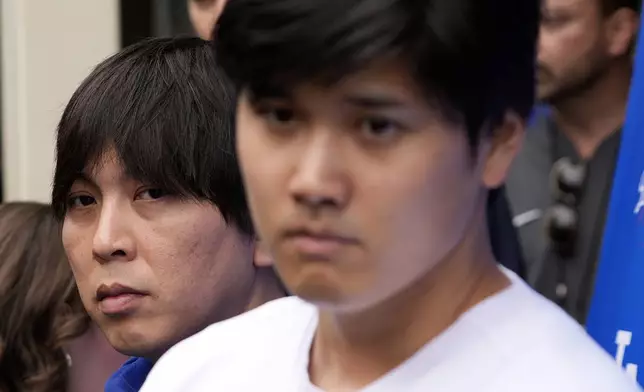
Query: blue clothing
{"x": 130, "y": 377}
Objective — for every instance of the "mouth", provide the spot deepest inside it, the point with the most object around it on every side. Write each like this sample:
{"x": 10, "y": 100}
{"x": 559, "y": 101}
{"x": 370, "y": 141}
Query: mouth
{"x": 318, "y": 245}
{"x": 118, "y": 300}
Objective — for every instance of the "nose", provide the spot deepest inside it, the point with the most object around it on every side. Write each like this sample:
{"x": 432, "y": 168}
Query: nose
{"x": 113, "y": 239}
{"x": 320, "y": 180}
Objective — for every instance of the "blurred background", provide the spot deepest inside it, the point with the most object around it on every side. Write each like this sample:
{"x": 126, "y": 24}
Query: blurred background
{"x": 47, "y": 48}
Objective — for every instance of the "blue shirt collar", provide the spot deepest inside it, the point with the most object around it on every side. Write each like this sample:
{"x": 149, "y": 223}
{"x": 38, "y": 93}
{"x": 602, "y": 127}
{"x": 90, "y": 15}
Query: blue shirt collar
{"x": 130, "y": 376}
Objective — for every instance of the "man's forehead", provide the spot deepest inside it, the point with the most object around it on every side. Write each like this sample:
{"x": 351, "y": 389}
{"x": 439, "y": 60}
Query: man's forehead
{"x": 105, "y": 165}
{"x": 390, "y": 75}
{"x": 568, "y": 5}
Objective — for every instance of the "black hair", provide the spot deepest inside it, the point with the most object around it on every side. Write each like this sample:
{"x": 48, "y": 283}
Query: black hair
{"x": 610, "y": 6}
{"x": 167, "y": 111}
{"x": 475, "y": 58}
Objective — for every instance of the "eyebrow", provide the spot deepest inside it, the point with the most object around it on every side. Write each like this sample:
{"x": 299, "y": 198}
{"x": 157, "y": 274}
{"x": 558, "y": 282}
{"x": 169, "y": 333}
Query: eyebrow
{"x": 374, "y": 101}
{"x": 267, "y": 90}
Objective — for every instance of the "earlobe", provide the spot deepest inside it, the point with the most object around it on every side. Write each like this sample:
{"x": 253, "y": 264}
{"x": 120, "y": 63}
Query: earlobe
{"x": 261, "y": 256}
{"x": 506, "y": 142}
{"x": 622, "y": 31}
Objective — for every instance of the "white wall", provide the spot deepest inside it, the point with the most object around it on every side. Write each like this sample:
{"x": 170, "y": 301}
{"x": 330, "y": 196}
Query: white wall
{"x": 48, "y": 47}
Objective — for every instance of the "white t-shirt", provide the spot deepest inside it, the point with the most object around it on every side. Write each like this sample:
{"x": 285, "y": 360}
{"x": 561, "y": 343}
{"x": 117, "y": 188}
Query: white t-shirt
{"x": 514, "y": 341}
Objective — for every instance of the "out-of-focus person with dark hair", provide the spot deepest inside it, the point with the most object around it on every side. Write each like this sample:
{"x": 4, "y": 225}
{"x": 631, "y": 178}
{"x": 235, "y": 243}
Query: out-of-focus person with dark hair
{"x": 503, "y": 236}
{"x": 204, "y": 15}
{"x": 559, "y": 186}
{"x": 47, "y": 341}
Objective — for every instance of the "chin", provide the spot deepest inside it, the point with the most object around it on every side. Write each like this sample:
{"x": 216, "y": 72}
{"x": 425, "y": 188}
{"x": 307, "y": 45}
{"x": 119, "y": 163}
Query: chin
{"x": 145, "y": 349}
{"x": 330, "y": 296}
{"x": 317, "y": 289}
{"x": 135, "y": 341}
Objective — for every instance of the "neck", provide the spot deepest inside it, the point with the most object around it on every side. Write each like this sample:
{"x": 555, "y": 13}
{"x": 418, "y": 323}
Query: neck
{"x": 267, "y": 288}
{"x": 353, "y": 350}
{"x": 588, "y": 118}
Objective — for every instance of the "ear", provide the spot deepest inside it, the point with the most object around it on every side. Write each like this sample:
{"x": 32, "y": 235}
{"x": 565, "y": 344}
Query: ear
{"x": 621, "y": 31}
{"x": 502, "y": 147}
{"x": 261, "y": 256}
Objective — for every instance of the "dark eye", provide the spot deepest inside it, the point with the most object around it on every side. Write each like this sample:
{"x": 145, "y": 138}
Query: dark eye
{"x": 379, "y": 127}
{"x": 279, "y": 115}
{"x": 80, "y": 201}
{"x": 152, "y": 194}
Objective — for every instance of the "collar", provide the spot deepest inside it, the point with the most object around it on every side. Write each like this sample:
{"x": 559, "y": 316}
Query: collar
{"x": 130, "y": 376}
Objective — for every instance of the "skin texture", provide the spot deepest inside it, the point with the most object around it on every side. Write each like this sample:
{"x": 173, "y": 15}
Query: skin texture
{"x": 193, "y": 268}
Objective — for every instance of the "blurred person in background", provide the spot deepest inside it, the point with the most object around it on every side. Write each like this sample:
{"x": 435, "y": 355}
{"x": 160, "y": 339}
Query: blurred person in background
{"x": 560, "y": 183}
{"x": 47, "y": 341}
{"x": 155, "y": 221}
{"x": 204, "y": 14}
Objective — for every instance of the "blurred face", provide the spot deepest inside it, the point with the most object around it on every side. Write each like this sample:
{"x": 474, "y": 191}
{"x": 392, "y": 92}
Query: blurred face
{"x": 358, "y": 189}
{"x": 573, "y": 48}
{"x": 204, "y": 14}
{"x": 151, "y": 268}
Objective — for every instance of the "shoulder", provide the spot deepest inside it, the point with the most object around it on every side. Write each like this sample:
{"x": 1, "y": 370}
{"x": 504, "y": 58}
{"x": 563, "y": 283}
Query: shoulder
{"x": 551, "y": 352}
{"x": 250, "y": 338}
{"x": 574, "y": 366}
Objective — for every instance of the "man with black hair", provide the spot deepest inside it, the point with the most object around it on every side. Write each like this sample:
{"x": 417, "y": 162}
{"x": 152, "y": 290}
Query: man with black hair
{"x": 559, "y": 186}
{"x": 369, "y": 133}
{"x": 155, "y": 222}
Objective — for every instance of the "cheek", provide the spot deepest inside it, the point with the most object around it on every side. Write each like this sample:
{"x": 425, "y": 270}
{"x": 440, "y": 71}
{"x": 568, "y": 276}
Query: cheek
{"x": 210, "y": 278}
{"x": 571, "y": 48}
{"x": 78, "y": 248}
{"x": 427, "y": 209}
{"x": 194, "y": 253}
{"x": 434, "y": 204}
{"x": 262, "y": 170}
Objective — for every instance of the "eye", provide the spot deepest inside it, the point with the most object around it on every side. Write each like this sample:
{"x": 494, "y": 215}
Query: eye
{"x": 152, "y": 194}
{"x": 80, "y": 201}
{"x": 377, "y": 127}
{"x": 550, "y": 19}
{"x": 279, "y": 113}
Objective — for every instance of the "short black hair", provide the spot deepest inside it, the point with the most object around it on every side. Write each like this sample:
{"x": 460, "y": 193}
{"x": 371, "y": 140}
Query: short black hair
{"x": 475, "y": 58}
{"x": 167, "y": 110}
